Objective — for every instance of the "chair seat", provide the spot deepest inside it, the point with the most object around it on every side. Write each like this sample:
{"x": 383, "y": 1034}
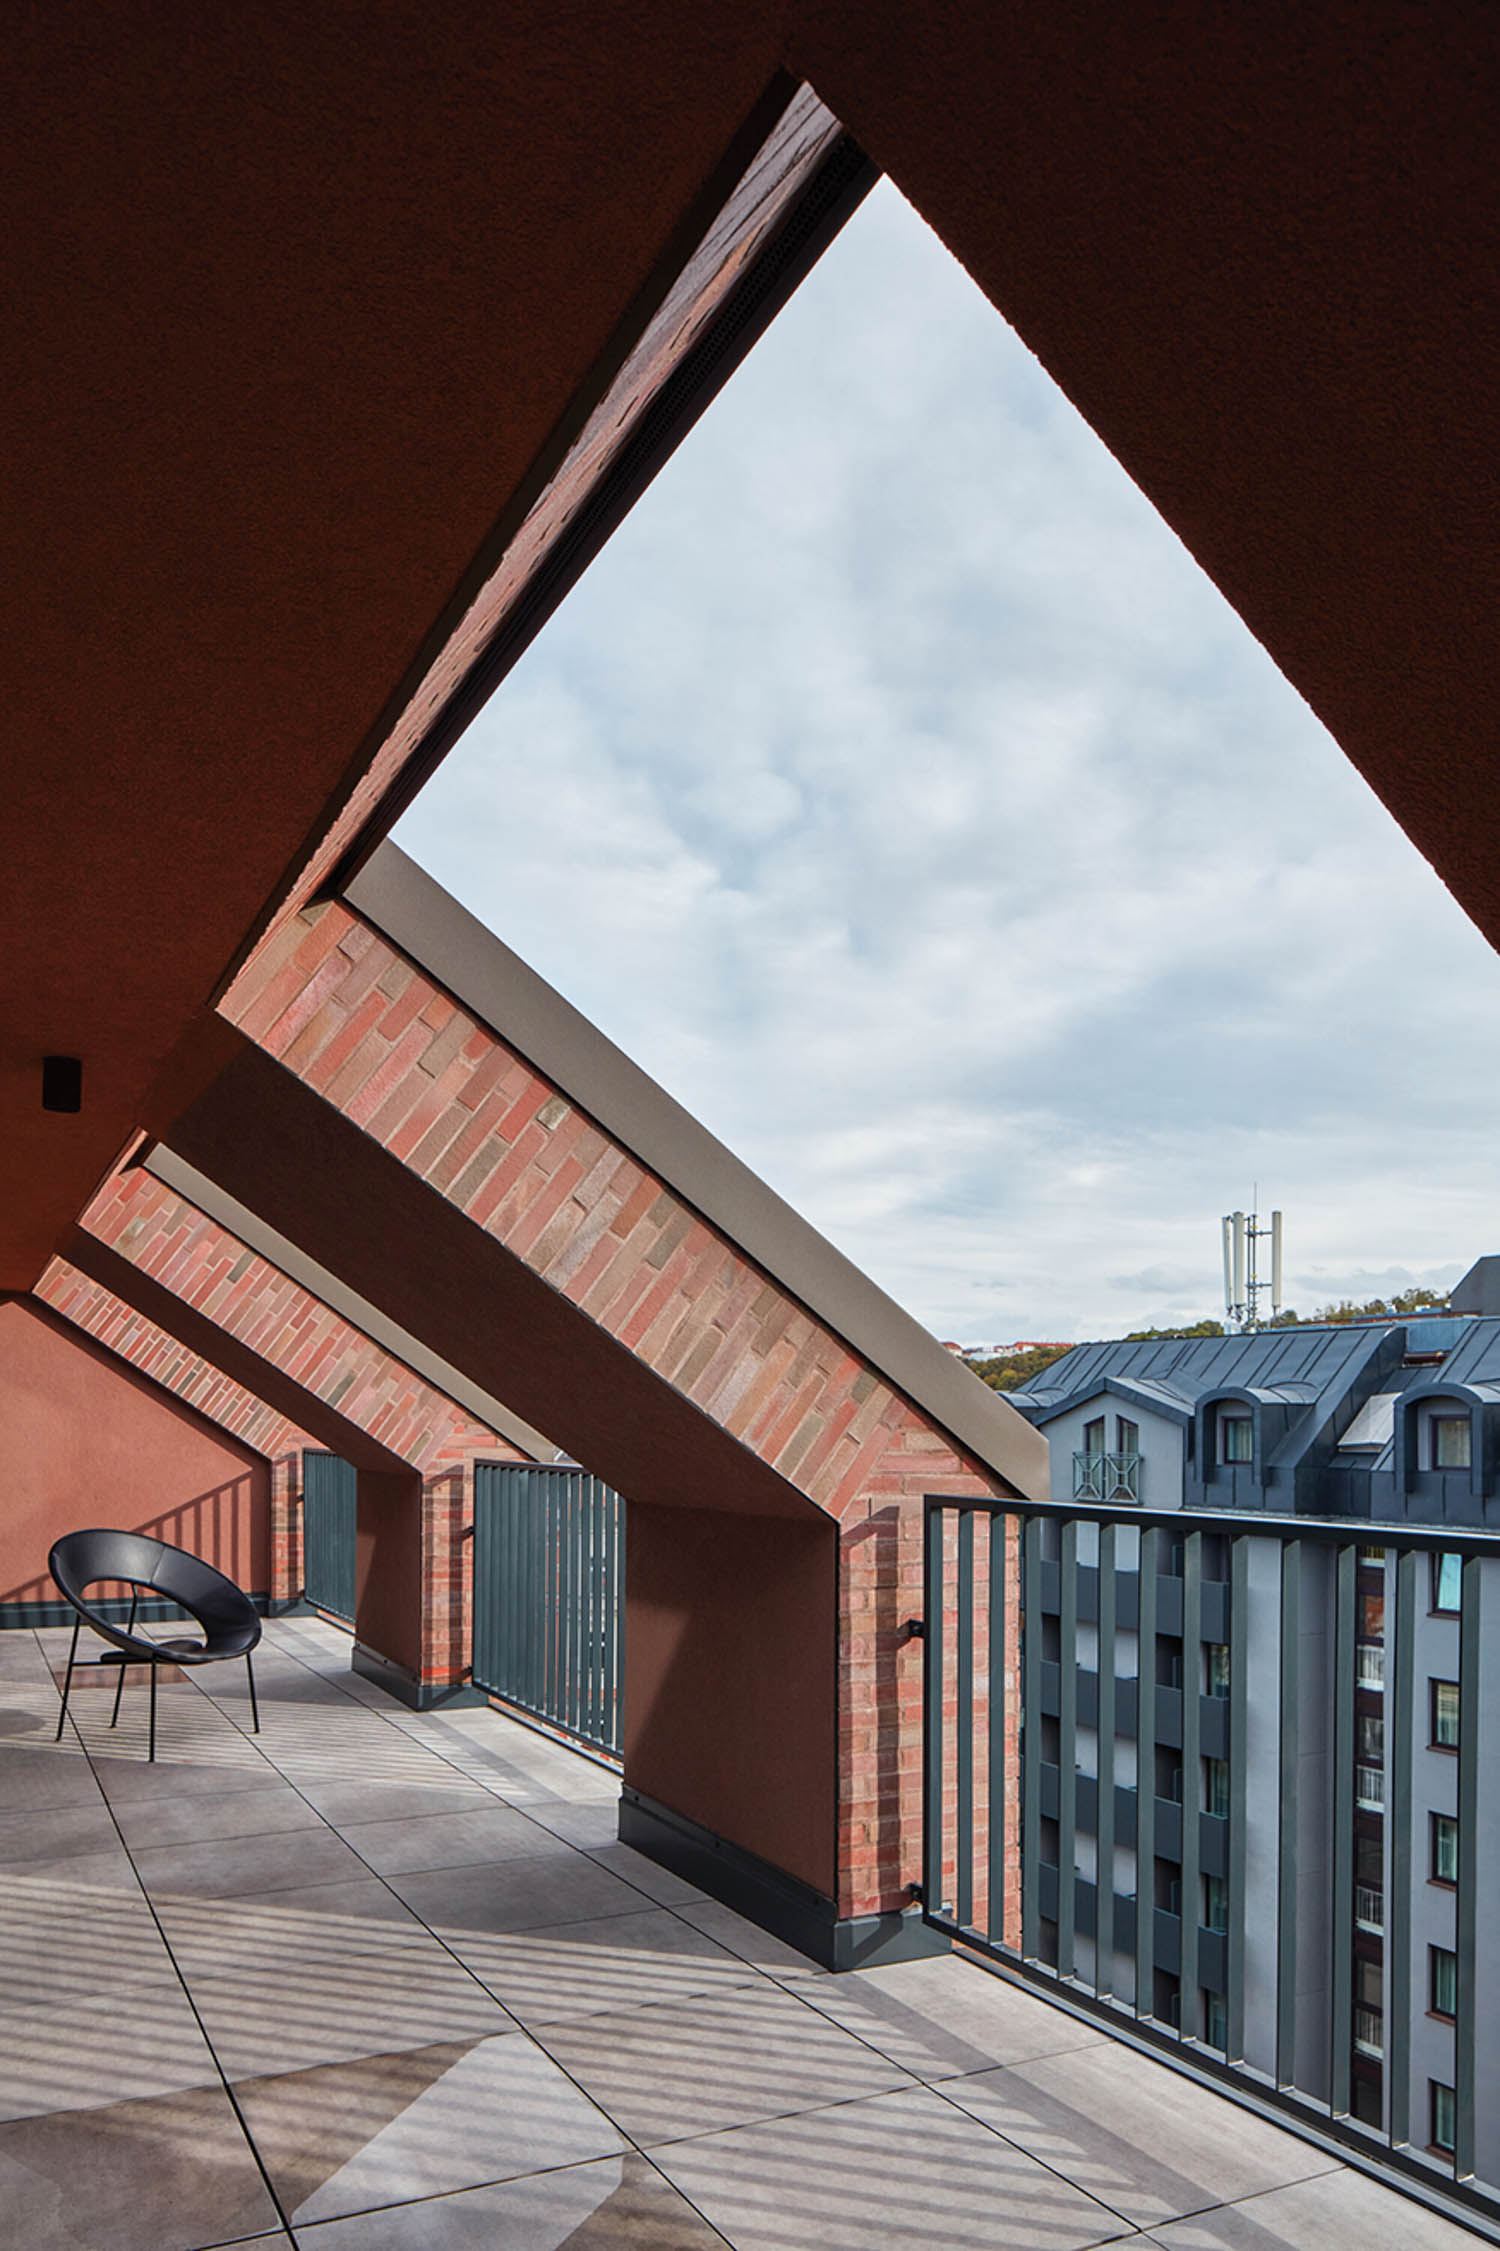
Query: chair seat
{"x": 222, "y": 1612}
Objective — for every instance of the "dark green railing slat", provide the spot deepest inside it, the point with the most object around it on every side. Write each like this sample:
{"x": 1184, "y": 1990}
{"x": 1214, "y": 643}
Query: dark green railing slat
{"x": 999, "y": 1810}
{"x": 1401, "y": 1705}
{"x": 1290, "y": 1811}
{"x": 1465, "y": 2030}
{"x": 1145, "y": 1776}
{"x": 330, "y": 1510}
{"x": 1031, "y": 1736}
{"x": 1239, "y": 1766}
{"x": 1104, "y": 1868}
{"x": 1341, "y": 1904}
{"x": 1188, "y": 2014}
{"x": 549, "y": 1596}
{"x": 964, "y": 1722}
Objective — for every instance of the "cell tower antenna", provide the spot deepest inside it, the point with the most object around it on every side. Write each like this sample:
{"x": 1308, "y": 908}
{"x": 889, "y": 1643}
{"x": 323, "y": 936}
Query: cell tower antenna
{"x": 1244, "y": 1288}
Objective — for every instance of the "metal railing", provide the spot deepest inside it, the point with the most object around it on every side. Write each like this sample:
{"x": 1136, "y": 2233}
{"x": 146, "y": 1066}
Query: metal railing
{"x": 1369, "y": 1786}
{"x": 1370, "y": 1665}
{"x": 1369, "y": 2032}
{"x": 1106, "y": 1477}
{"x": 1051, "y": 1748}
{"x": 549, "y": 1587}
{"x": 329, "y": 1512}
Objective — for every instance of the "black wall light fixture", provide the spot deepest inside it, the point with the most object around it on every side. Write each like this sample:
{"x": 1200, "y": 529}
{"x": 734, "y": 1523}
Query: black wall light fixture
{"x": 62, "y": 1082}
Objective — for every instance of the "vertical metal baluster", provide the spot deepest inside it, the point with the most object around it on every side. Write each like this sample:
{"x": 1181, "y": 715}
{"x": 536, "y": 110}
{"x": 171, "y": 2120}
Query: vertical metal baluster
{"x": 1031, "y": 1736}
{"x": 1341, "y": 1918}
{"x": 964, "y": 1722}
{"x": 1067, "y": 1755}
{"x": 1104, "y": 1830}
{"x": 1464, "y": 2031}
{"x": 1189, "y": 2023}
{"x": 1239, "y": 1780}
{"x": 932, "y": 1709}
{"x": 1145, "y": 1774}
{"x": 1002, "y": 1813}
{"x": 1400, "y": 1704}
{"x": 1288, "y": 1840}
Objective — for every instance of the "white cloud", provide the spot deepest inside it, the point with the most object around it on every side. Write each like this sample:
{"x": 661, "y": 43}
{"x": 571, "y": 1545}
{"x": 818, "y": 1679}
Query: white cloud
{"x": 897, "y": 790}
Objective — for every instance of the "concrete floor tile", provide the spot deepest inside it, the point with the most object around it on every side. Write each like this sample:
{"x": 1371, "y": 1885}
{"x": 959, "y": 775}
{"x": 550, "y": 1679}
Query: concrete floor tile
{"x": 413, "y": 1843}
{"x": 133, "y": 1780}
{"x": 57, "y": 1832}
{"x": 329, "y": 1922}
{"x": 170, "y": 2174}
{"x": 587, "y": 1823}
{"x": 1139, "y": 2136}
{"x": 748, "y": 1940}
{"x": 614, "y": 2204}
{"x": 437, "y": 1790}
{"x": 146, "y": 1824}
{"x": 356, "y": 2137}
{"x": 900, "y": 2169}
{"x": 1336, "y": 2211}
{"x": 590, "y": 1968}
{"x": 558, "y": 1887}
{"x": 658, "y": 1883}
{"x": 945, "y": 2016}
{"x": 356, "y": 2005}
{"x": 725, "y": 2059}
{"x": 42, "y": 1773}
{"x": 122, "y": 2041}
{"x": 234, "y": 1866}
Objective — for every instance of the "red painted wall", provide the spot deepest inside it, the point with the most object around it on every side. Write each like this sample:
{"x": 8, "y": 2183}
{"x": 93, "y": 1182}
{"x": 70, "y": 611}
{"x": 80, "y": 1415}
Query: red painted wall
{"x": 731, "y": 1677}
{"x": 83, "y": 1441}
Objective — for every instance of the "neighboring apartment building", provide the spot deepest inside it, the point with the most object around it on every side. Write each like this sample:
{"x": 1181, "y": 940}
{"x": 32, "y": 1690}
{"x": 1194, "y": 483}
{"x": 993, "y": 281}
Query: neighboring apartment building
{"x": 1312, "y": 1922}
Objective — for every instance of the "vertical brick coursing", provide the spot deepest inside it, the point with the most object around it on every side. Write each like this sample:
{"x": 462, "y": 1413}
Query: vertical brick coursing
{"x": 362, "y": 1026}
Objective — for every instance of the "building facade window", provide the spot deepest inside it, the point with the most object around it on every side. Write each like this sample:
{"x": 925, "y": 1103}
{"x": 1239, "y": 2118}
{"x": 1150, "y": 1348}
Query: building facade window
{"x": 1444, "y": 1849}
{"x": 1236, "y": 1438}
{"x": 1447, "y": 1583}
{"x": 1093, "y": 1436}
{"x": 1216, "y": 1787}
{"x": 1444, "y": 1736}
{"x": 1216, "y": 1655}
{"x": 1444, "y": 2116}
{"x": 1442, "y": 1981}
{"x": 1215, "y": 1903}
{"x": 1127, "y": 1436}
{"x": 1450, "y": 1441}
{"x": 1215, "y": 2020}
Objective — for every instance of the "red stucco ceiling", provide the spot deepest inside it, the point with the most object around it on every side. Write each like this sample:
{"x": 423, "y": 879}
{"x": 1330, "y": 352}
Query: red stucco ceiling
{"x": 299, "y": 299}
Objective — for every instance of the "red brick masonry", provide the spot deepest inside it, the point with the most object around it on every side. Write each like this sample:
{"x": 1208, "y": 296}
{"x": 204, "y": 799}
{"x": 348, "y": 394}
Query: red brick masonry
{"x": 358, "y": 1023}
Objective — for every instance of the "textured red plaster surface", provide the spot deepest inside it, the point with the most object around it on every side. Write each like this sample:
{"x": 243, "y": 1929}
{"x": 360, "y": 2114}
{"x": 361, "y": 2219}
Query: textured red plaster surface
{"x": 336, "y": 1003}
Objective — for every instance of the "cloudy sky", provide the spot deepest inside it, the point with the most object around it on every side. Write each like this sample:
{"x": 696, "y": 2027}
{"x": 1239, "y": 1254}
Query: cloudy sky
{"x": 900, "y": 794}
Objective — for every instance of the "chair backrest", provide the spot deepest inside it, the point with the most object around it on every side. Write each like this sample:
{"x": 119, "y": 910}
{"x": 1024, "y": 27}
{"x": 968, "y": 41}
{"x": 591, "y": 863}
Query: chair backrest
{"x": 80, "y": 1559}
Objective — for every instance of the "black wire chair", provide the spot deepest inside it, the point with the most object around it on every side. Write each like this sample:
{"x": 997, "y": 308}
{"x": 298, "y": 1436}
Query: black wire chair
{"x": 228, "y": 1619}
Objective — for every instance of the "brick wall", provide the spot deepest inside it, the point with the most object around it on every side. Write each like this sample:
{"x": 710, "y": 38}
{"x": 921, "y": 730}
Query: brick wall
{"x": 267, "y": 1313}
{"x": 335, "y": 1003}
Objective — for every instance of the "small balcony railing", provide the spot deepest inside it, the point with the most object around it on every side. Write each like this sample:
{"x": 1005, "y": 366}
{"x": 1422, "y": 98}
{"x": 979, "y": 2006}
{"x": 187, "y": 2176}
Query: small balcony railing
{"x": 1369, "y": 2032}
{"x": 1106, "y": 1477}
{"x": 1370, "y": 1665}
{"x": 1369, "y": 1786}
{"x": 1369, "y": 1908}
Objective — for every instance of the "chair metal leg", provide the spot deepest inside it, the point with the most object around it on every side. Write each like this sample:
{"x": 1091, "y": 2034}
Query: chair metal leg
{"x": 120, "y": 1683}
{"x": 67, "y": 1681}
{"x": 254, "y": 1707}
{"x": 152, "y": 1752}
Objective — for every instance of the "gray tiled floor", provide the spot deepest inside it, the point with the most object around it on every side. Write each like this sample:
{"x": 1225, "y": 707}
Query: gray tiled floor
{"x": 380, "y": 1982}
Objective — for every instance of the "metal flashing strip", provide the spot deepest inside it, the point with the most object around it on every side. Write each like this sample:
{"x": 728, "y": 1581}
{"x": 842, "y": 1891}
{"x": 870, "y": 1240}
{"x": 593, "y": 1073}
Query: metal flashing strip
{"x": 497, "y": 988}
{"x": 197, "y": 1189}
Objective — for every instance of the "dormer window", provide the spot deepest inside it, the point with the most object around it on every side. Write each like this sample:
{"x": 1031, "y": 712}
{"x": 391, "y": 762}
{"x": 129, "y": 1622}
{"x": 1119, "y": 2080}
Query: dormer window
{"x": 1235, "y": 1438}
{"x": 1450, "y": 1441}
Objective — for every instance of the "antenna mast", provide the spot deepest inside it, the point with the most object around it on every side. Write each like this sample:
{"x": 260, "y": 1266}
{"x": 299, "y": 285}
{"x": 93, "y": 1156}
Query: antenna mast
{"x": 1243, "y": 1287}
